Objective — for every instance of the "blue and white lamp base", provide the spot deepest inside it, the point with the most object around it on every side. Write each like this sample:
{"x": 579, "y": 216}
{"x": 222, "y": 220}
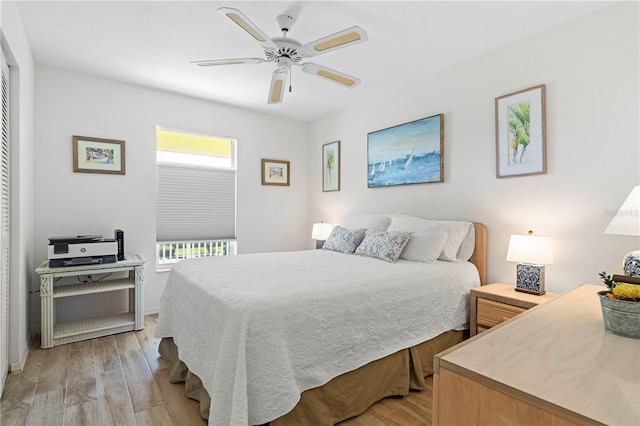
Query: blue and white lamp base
{"x": 631, "y": 264}
{"x": 530, "y": 279}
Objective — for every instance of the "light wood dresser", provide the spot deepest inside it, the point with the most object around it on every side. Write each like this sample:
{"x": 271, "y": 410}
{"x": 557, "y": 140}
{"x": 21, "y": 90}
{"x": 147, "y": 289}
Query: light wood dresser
{"x": 553, "y": 364}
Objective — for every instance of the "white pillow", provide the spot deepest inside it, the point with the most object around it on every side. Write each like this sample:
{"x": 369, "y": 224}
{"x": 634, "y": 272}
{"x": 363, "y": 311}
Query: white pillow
{"x": 468, "y": 244}
{"x": 375, "y": 222}
{"x": 405, "y": 223}
{"x": 456, "y": 232}
{"x": 425, "y": 246}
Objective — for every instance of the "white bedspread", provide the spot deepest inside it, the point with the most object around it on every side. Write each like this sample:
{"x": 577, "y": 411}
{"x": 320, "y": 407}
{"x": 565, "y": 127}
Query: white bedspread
{"x": 259, "y": 329}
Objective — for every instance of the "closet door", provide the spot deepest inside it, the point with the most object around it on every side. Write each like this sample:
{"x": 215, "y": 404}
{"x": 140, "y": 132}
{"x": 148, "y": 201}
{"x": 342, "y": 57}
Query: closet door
{"x": 4, "y": 229}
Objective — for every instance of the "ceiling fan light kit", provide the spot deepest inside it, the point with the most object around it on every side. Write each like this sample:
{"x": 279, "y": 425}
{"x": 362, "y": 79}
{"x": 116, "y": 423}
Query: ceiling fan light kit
{"x": 287, "y": 51}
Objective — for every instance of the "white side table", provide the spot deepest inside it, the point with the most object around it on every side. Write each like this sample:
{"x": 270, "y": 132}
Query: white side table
{"x": 53, "y": 334}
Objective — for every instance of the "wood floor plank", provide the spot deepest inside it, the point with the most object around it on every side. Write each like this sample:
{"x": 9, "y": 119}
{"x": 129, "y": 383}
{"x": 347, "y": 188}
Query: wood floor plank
{"x": 154, "y": 416}
{"x": 387, "y": 406}
{"x": 33, "y": 365}
{"x": 142, "y": 387}
{"x": 405, "y": 417}
{"x": 53, "y": 374}
{"x": 368, "y": 418}
{"x": 106, "y": 354}
{"x": 81, "y": 374}
{"x": 183, "y": 410}
{"x": 16, "y": 417}
{"x": 20, "y": 387}
{"x": 149, "y": 343}
{"x": 18, "y": 392}
{"x": 114, "y": 401}
{"x": 82, "y": 414}
{"x": 47, "y": 408}
{"x": 126, "y": 342}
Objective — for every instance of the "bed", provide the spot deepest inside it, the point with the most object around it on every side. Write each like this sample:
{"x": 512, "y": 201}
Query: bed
{"x": 317, "y": 336}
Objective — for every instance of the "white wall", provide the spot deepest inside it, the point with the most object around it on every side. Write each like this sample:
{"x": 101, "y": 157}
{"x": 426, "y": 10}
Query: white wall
{"x": 590, "y": 68}
{"x": 20, "y": 60}
{"x": 269, "y": 218}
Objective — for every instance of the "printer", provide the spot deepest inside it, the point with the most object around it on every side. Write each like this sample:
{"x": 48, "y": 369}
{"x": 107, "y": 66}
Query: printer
{"x": 81, "y": 250}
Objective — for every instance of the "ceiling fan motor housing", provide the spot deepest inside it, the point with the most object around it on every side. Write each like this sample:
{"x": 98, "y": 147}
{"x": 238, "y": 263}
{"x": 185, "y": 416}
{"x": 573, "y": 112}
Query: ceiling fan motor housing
{"x": 286, "y": 47}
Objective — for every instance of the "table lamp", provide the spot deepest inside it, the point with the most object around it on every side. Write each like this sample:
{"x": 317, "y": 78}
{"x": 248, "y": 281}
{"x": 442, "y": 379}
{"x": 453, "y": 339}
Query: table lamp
{"x": 320, "y": 232}
{"x": 627, "y": 222}
{"x": 532, "y": 252}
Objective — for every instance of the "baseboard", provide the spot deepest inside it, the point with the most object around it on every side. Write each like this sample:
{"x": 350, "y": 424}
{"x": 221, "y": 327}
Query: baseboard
{"x": 152, "y": 311}
{"x": 17, "y": 367}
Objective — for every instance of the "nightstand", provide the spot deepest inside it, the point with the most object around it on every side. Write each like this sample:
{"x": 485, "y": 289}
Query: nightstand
{"x": 495, "y": 303}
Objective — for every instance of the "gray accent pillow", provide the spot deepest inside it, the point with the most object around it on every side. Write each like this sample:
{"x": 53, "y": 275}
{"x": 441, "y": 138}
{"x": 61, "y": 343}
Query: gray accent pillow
{"x": 385, "y": 245}
{"x": 344, "y": 240}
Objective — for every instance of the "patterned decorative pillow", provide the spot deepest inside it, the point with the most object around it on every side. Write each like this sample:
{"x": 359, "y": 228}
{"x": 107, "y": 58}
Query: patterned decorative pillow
{"x": 344, "y": 240}
{"x": 385, "y": 245}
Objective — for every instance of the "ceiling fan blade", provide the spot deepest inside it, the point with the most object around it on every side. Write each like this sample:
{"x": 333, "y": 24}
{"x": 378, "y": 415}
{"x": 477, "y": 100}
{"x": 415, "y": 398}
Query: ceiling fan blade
{"x": 344, "y": 38}
{"x": 238, "y": 17}
{"x": 213, "y": 62}
{"x": 338, "y": 77}
{"x": 278, "y": 82}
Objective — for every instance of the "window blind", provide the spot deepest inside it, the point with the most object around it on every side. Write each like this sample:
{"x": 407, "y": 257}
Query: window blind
{"x": 195, "y": 203}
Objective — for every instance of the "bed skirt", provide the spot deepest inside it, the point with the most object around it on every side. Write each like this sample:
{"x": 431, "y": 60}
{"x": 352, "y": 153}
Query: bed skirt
{"x": 343, "y": 397}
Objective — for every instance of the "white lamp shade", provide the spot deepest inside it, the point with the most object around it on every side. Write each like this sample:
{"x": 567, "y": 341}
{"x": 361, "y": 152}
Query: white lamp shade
{"x": 533, "y": 249}
{"x": 321, "y": 231}
{"x": 627, "y": 219}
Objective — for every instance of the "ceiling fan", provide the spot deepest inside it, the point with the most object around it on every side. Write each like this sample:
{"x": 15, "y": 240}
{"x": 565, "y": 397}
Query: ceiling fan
{"x": 286, "y": 51}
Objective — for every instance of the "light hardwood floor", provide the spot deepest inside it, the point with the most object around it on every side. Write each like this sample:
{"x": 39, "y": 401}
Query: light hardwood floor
{"x": 121, "y": 380}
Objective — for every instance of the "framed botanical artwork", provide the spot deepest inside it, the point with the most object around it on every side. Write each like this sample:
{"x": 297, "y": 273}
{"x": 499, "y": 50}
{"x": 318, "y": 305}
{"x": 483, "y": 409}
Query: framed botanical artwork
{"x": 96, "y": 155}
{"x": 275, "y": 172}
{"x": 520, "y": 133}
{"x": 331, "y": 166}
{"x": 406, "y": 154}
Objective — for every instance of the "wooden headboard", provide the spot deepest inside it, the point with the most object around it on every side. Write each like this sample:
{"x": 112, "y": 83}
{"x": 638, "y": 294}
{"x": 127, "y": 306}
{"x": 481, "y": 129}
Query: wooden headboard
{"x": 479, "y": 257}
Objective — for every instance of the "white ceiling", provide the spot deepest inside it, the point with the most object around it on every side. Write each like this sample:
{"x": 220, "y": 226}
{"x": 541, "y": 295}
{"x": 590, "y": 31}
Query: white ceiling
{"x": 152, "y": 43}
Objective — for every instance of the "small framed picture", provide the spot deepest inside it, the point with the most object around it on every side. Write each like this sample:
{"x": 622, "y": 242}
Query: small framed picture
{"x": 331, "y": 166}
{"x": 96, "y": 155}
{"x": 275, "y": 172}
{"x": 520, "y": 133}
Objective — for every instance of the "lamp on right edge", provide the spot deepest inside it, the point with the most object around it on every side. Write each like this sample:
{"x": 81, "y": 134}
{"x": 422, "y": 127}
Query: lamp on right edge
{"x": 531, "y": 252}
{"x": 627, "y": 222}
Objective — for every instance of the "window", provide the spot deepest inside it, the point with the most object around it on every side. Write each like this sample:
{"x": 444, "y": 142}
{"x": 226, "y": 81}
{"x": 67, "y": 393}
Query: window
{"x": 196, "y": 196}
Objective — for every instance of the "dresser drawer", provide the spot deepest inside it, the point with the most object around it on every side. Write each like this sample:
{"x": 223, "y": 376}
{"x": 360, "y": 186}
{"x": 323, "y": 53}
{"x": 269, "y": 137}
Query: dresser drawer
{"x": 492, "y": 313}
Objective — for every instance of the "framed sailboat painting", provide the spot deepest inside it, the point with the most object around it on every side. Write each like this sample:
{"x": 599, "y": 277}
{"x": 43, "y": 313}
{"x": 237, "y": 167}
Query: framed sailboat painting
{"x": 406, "y": 154}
